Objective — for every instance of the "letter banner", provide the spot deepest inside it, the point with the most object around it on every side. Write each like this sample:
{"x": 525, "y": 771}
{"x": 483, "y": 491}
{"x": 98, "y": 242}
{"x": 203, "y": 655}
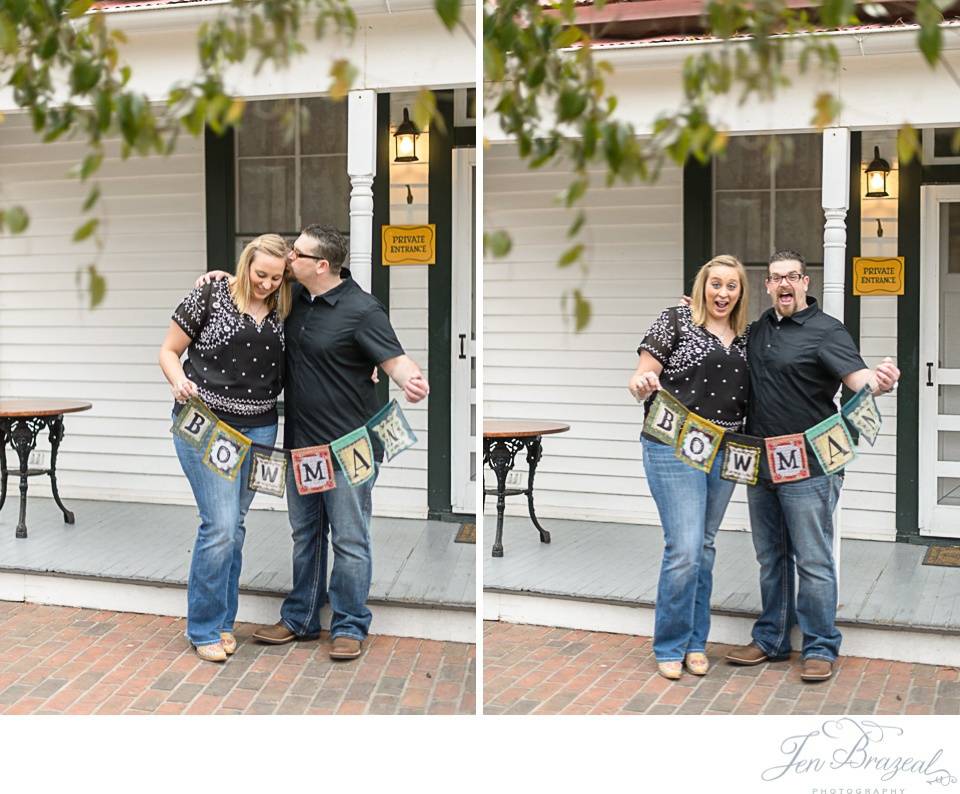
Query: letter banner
{"x": 355, "y": 453}
{"x": 193, "y": 423}
{"x": 741, "y": 458}
{"x": 666, "y": 418}
{"x": 226, "y": 450}
{"x": 268, "y": 470}
{"x": 787, "y": 456}
{"x": 393, "y": 430}
{"x": 699, "y": 442}
{"x": 313, "y": 470}
{"x": 862, "y": 413}
{"x": 831, "y": 443}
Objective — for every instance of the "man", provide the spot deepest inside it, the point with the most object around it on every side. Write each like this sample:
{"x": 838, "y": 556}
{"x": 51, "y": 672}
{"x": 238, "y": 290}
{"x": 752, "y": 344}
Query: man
{"x": 336, "y": 334}
{"x": 798, "y": 356}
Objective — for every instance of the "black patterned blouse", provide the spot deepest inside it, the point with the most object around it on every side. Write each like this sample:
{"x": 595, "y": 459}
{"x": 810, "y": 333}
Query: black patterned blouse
{"x": 708, "y": 378}
{"x": 236, "y": 363}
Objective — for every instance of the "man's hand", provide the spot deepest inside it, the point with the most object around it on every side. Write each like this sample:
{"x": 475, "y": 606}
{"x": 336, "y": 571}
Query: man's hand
{"x": 643, "y": 384}
{"x": 886, "y": 375}
{"x": 213, "y": 275}
{"x": 416, "y": 388}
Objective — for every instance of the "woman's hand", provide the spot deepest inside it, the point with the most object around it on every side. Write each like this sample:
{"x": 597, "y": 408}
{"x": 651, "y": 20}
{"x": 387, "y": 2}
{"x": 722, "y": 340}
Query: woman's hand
{"x": 183, "y": 390}
{"x": 643, "y": 384}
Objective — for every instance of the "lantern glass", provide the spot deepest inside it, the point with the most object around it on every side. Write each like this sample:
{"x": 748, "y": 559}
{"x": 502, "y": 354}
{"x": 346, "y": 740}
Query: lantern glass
{"x": 876, "y": 183}
{"x": 406, "y": 148}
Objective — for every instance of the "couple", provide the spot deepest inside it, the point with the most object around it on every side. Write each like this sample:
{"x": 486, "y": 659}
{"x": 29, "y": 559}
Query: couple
{"x": 780, "y": 375}
{"x": 247, "y": 338}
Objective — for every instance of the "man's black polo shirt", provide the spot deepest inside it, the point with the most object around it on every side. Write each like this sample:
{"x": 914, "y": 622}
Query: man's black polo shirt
{"x": 796, "y": 366}
{"x": 333, "y": 343}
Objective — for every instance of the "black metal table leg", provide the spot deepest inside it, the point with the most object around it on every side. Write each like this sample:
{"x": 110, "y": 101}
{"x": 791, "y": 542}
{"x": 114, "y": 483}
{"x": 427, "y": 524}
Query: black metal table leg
{"x": 23, "y": 435}
{"x": 534, "y": 453}
{"x": 4, "y": 438}
{"x": 56, "y": 436}
{"x": 500, "y": 454}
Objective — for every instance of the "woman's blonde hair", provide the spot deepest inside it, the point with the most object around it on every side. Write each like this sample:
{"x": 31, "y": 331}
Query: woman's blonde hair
{"x": 242, "y": 290}
{"x": 698, "y": 303}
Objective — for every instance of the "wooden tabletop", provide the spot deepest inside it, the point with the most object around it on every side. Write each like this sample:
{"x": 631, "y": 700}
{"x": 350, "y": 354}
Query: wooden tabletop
{"x": 10, "y": 409}
{"x": 520, "y": 428}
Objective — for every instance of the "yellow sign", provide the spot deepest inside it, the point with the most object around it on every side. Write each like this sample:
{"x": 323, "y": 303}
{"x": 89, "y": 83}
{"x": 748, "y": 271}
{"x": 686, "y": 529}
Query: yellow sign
{"x": 409, "y": 245}
{"x": 877, "y": 275}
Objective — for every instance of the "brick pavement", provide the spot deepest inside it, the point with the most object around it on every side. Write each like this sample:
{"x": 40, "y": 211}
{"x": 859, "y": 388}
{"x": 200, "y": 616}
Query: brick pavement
{"x": 542, "y": 670}
{"x": 63, "y": 660}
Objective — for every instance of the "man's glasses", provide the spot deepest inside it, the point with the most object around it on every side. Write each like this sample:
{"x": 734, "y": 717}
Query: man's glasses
{"x": 299, "y": 254}
{"x": 793, "y": 278}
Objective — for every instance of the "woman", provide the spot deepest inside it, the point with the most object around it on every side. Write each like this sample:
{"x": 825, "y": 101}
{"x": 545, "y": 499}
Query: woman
{"x": 232, "y": 332}
{"x": 698, "y": 354}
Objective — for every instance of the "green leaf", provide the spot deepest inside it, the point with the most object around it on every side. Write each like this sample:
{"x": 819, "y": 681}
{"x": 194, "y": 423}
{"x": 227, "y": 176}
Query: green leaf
{"x": 577, "y": 225}
{"x": 16, "y": 219}
{"x": 92, "y": 198}
{"x": 498, "y": 243}
{"x": 574, "y": 192}
{"x": 448, "y": 11}
{"x": 930, "y": 41}
{"x": 78, "y": 8}
{"x": 235, "y": 113}
{"x": 826, "y": 108}
{"x": 48, "y": 48}
{"x": 8, "y": 34}
{"x": 91, "y": 163}
{"x": 908, "y": 144}
{"x": 98, "y": 286}
{"x": 84, "y": 231}
{"x": 343, "y": 74}
{"x": 571, "y": 255}
{"x": 571, "y": 104}
{"x": 84, "y": 76}
{"x": 581, "y": 311}
{"x": 567, "y": 37}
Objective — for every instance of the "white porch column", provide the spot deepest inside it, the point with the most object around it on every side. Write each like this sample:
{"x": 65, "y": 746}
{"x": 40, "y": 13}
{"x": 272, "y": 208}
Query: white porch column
{"x": 835, "y": 198}
{"x": 362, "y": 168}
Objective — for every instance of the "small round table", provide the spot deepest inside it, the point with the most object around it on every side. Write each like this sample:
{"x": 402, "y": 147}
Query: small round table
{"x": 21, "y": 421}
{"x": 502, "y": 440}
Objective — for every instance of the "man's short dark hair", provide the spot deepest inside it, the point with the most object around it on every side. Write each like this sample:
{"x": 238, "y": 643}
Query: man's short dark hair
{"x": 788, "y": 256}
{"x": 330, "y": 245}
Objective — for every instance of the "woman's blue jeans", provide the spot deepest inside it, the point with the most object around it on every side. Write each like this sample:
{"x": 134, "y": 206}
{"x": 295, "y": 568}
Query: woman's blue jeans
{"x": 213, "y": 588}
{"x": 691, "y": 505}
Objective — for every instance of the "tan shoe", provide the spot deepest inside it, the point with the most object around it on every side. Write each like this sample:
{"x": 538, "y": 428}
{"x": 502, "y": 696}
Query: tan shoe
{"x": 345, "y": 648}
{"x": 751, "y": 654}
{"x": 213, "y": 652}
{"x": 816, "y": 670}
{"x": 229, "y": 642}
{"x": 697, "y": 663}
{"x": 278, "y": 634}
{"x": 671, "y": 670}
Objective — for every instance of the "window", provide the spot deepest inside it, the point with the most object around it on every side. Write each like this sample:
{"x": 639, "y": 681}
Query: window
{"x": 291, "y": 167}
{"x": 939, "y": 146}
{"x": 766, "y": 197}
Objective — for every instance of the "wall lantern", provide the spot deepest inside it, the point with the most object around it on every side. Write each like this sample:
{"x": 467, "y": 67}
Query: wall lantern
{"x": 406, "y": 138}
{"x": 877, "y": 176}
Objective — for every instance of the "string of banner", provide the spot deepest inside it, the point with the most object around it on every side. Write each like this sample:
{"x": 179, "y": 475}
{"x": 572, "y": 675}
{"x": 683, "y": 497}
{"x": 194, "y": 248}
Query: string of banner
{"x": 225, "y": 449}
{"x": 698, "y": 441}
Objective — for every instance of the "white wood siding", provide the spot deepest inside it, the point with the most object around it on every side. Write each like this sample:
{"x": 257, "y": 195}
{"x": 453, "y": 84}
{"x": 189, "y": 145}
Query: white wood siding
{"x": 53, "y": 345}
{"x": 535, "y": 367}
{"x": 154, "y": 247}
{"x": 869, "y": 492}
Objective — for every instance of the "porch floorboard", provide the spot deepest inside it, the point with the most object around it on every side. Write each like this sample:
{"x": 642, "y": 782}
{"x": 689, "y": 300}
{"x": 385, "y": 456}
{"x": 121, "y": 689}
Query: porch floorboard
{"x": 415, "y": 562}
{"x": 881, "y": 584}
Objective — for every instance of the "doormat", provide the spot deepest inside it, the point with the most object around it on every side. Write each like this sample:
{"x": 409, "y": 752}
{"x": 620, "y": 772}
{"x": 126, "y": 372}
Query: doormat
{"x": 466, "y": 534}
{"x": 946, "y": 556}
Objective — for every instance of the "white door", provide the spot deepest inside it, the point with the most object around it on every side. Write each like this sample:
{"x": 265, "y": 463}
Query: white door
{"x": 463, "y": 405}
{"x": 940, "y": 362}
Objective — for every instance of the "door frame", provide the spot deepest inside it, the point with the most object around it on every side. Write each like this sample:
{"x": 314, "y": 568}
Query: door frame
{"x": 931, "y": 197}
{"x": 462, "y": 490}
